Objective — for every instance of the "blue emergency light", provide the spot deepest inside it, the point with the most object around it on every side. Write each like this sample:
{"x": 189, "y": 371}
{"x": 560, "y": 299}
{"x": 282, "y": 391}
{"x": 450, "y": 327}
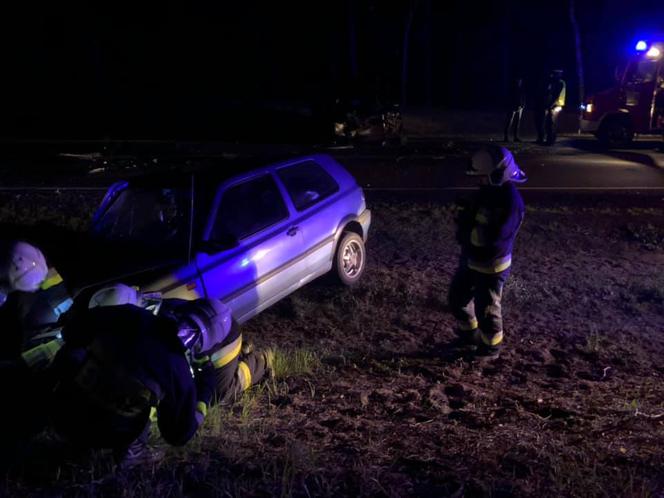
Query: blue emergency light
{"x": 641, "y": 46}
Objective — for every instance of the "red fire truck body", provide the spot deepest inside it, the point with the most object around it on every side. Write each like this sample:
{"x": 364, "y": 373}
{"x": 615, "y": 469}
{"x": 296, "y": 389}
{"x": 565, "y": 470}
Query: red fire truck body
{"x": 635, "y": 105}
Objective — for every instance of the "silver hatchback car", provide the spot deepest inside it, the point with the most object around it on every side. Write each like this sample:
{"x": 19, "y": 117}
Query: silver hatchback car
{"x": 247, "y": 236}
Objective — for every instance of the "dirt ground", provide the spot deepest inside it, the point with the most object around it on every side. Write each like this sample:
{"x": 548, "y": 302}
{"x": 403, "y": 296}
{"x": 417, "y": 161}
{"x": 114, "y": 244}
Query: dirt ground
{"x": 372, "y": 400}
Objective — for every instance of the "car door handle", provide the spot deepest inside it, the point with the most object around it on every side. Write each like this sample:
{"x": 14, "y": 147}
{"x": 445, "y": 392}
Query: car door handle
{"x": 292, "y": 231}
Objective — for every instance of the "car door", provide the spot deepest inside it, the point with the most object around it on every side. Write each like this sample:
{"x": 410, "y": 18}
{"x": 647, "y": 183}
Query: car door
{"x": 251, "y": 250}
{"x": 312, "y": 191}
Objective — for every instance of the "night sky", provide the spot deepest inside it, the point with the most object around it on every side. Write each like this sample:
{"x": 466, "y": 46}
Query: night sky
{"x": 179, "y": 69}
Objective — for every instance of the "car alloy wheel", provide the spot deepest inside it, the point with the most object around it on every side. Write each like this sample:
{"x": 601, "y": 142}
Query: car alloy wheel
{"x": 353, "y": 258}
{"x": 350, "y": 259}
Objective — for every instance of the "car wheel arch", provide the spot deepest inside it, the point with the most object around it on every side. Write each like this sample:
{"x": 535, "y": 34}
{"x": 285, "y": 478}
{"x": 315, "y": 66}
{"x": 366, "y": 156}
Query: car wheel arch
{"x": 348, "y": 225}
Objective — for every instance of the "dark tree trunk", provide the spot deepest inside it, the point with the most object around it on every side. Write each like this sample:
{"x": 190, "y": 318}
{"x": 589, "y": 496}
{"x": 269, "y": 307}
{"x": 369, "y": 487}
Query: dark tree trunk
{"x": 428, "y": 56}
{"x": 506, "y": 52}
{"x": 352, "y": 39}
{"x": 577, "y": 48}
{"x": 405, "y": 52}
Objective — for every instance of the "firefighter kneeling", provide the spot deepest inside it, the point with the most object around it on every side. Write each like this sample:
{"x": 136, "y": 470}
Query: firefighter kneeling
{"x": 121, "y": 359}
{"x": 486, "y": 231}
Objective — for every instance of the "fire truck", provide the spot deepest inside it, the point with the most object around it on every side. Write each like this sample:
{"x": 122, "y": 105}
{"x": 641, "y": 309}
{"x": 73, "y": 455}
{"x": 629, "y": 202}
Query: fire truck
{"x": 635, "y": 105}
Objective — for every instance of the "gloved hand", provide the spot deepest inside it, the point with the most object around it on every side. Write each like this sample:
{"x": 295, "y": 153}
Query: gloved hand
{"x": 205, "y": 380}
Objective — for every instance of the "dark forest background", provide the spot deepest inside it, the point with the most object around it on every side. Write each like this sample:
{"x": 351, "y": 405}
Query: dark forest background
{"x": 194, "y": 69}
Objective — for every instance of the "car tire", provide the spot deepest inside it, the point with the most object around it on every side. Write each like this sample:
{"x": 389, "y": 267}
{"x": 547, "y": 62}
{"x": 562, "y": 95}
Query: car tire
{"x": 615, "y": 133}
{"x": 350, "y": 259}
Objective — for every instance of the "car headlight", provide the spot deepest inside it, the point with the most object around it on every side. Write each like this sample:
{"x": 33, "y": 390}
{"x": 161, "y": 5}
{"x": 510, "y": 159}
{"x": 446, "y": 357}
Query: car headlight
{"x": 557, "y": 108}
{"x": 589, "y": 108}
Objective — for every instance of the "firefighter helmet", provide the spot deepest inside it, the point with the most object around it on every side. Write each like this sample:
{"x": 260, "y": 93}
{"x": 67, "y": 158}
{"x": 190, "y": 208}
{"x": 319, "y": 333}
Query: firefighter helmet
{"x": 115, "y": 295}
{"x": 27, "y": 267}
{"x": 203, "y": 324}
{"x": 498, "y": 164}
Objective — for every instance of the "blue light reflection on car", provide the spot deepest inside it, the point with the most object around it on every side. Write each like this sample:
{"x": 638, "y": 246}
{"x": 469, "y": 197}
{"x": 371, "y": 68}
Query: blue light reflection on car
{"x": 265, "y": 232}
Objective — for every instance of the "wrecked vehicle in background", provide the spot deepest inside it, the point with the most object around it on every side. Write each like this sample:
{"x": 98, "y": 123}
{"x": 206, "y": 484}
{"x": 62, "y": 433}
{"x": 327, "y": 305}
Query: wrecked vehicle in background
{"x": 246, "y": 235}
{"x": 353, "y": 121}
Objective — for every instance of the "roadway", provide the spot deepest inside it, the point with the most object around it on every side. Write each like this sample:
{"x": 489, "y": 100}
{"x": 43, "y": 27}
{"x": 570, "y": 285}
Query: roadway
{"x": 574, "y": 164}
{"x": 433, "y": 164}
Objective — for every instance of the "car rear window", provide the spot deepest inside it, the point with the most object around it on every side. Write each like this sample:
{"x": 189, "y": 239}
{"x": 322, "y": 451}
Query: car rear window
{"x": 307, "y": 184}
{"x": 248, "y": 208}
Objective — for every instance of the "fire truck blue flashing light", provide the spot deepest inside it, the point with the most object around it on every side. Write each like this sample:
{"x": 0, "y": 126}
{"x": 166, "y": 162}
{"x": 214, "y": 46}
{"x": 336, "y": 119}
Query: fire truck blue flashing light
{"x": 641, "y": 46}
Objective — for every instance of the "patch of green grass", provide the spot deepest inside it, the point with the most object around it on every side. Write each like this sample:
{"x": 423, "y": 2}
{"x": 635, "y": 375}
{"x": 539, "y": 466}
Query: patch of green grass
{"x": 595, "y": 342}
{"x": 295, "y": 363}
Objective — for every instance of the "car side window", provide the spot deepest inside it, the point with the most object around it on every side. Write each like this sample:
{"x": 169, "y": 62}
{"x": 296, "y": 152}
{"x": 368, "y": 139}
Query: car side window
{"x": 248, "y": 208}
{"x": 307, "y": 183}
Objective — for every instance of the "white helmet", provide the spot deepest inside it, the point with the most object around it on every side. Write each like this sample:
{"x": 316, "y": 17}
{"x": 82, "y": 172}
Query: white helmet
{"x": 115, "y": 295}
{"x": 27, "y": 267}
{"x": 498, "y": 164}
{"x": 203, "y": 324}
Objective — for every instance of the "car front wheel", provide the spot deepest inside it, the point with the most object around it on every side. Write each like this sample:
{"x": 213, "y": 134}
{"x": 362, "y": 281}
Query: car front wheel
{"x": 350, "y": 259}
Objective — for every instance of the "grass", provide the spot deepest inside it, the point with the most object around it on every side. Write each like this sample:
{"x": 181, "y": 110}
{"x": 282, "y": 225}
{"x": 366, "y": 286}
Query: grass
{"x": 595, "y": 341}
{"x": 295, "y": 363}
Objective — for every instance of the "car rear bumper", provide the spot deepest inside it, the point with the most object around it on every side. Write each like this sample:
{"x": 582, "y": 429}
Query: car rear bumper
{"x": 364, "y": 219}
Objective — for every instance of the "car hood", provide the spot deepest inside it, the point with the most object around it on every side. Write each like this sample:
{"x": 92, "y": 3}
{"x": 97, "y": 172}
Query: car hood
{"x": 84, "y": 261}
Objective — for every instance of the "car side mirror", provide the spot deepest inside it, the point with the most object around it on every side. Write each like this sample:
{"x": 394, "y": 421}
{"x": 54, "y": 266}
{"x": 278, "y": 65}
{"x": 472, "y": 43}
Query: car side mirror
{"x": 220, "y": 243}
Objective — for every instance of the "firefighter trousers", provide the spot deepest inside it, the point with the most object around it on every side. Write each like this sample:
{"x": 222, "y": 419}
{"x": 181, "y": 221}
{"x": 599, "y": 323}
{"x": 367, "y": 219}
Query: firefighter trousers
{"x": 550, "y": 125}
{"x": 475, "y": 301}
{"x": 513, "y": 123}
{"x": 236, "y": 372}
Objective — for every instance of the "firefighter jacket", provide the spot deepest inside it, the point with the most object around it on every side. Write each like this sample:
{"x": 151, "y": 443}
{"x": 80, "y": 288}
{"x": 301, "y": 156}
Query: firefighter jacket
{"x": 556, "y": 93}
{"x": 117, "y": 363}
{"x": 487, "y": 228}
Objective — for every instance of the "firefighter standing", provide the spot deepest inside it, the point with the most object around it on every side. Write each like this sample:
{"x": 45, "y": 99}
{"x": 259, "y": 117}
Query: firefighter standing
{"x": 486, "y": 231}
{"x": 553, "y": 102}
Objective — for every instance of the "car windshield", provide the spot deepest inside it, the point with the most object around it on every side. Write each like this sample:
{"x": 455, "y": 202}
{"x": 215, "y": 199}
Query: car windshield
{"x": 151, "y": 216}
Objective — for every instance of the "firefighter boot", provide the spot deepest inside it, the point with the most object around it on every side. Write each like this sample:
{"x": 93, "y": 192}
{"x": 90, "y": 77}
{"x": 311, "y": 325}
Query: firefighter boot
{"x": 487, "y": 352}
{"x": 466, "y": 338}
{"x": 489, "y": 346}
